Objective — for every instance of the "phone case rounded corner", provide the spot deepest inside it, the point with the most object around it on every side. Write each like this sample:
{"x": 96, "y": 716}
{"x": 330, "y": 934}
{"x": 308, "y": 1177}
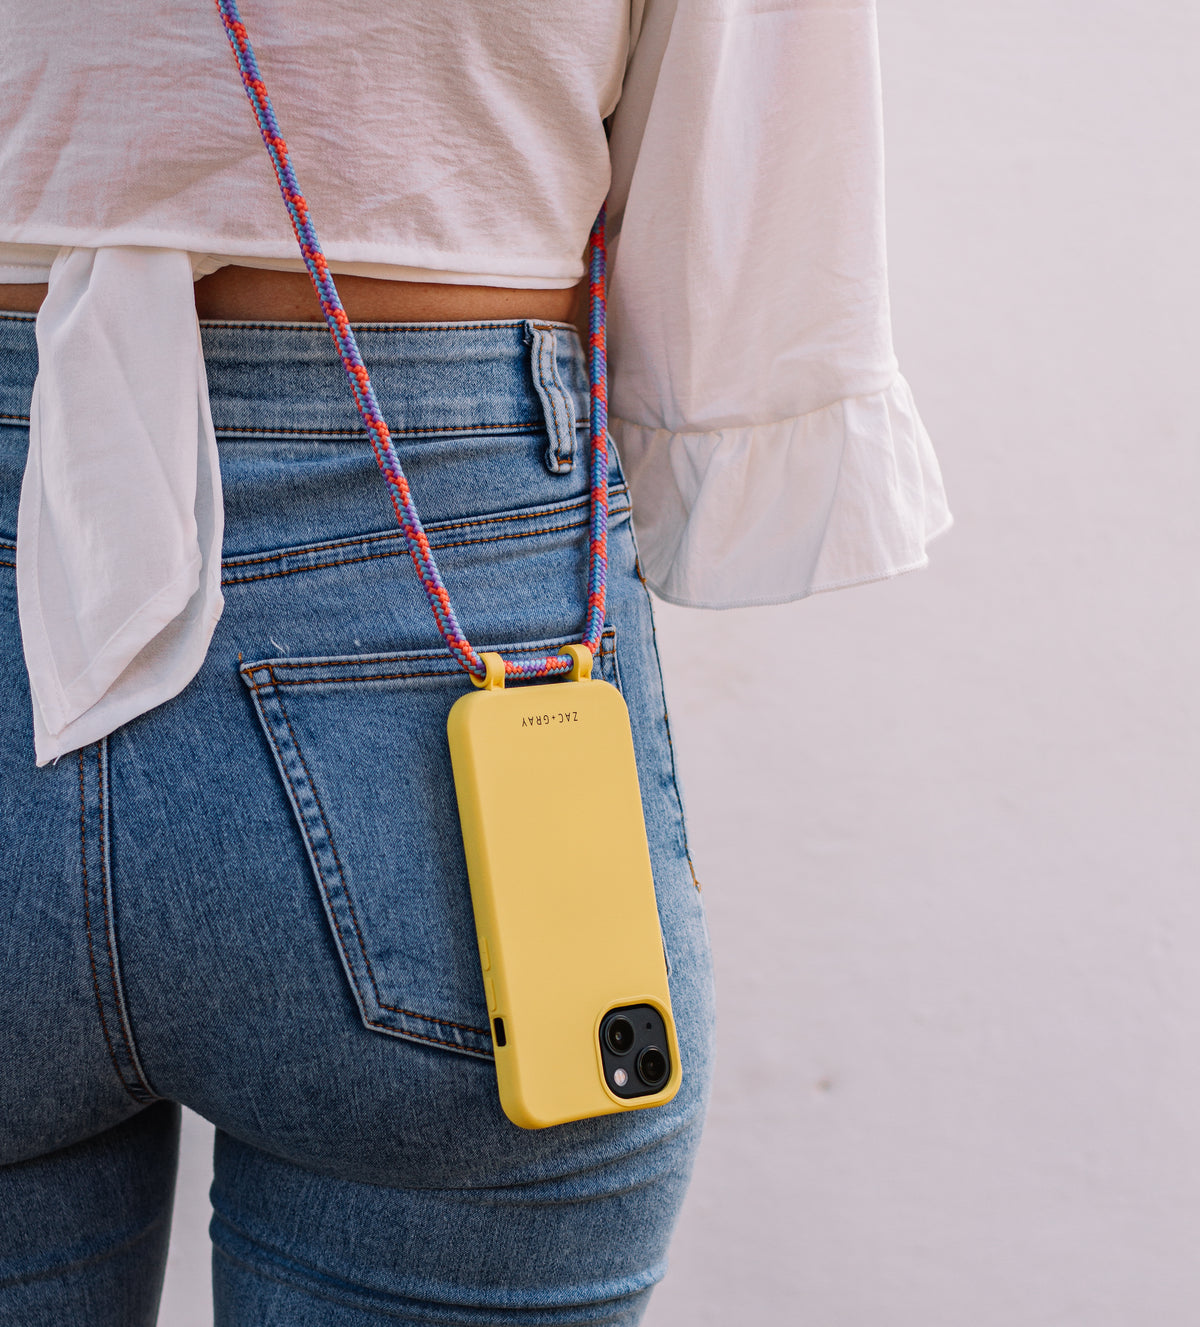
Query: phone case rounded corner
{"x": 527, "y": 1113}
{"x": 517, "y": 1114}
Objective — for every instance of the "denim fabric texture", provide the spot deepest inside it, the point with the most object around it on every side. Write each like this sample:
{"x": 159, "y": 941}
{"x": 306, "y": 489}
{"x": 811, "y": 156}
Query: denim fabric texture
{"x": 252, "y": 900}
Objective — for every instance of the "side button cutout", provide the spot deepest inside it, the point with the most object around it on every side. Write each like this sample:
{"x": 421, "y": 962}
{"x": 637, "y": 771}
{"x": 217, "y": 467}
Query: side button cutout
{"x": 498, "y": 1025}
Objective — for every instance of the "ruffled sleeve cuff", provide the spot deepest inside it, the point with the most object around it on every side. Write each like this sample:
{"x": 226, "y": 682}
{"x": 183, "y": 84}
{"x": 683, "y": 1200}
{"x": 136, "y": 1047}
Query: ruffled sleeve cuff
{"x": 770, "y": 513}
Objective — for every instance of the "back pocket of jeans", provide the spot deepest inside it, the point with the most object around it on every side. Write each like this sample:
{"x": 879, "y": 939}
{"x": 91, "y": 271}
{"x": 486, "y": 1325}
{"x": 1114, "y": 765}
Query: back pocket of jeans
{"x": 360, "y": 744}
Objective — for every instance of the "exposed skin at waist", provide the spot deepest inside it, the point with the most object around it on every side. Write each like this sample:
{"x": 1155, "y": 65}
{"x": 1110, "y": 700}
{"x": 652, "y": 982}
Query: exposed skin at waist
{"x": 247, "y": 293}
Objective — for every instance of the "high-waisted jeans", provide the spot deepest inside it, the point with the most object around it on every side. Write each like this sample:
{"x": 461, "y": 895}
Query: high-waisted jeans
{"x": 252, "y": 900}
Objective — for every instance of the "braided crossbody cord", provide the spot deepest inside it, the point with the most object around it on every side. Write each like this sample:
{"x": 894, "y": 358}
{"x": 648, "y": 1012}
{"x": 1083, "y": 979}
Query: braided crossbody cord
{"x": 377, "y": 429}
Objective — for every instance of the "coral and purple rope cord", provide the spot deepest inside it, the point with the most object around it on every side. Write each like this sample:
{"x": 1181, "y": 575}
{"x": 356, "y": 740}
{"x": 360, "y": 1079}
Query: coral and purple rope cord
{"x": 377, "y": 429}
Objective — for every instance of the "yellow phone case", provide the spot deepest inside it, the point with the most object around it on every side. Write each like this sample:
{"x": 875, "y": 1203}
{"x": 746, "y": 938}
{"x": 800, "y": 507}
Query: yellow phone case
{"x": 561, "y": 885}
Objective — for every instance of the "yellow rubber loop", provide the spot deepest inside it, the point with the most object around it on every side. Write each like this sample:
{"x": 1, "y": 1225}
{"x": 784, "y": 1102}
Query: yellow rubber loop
{"x": 493, "y": 679}
{"x": 581, "y": 662}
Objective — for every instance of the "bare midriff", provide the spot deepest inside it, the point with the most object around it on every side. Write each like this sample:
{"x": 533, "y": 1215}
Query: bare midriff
{"x": 253, "y": 294}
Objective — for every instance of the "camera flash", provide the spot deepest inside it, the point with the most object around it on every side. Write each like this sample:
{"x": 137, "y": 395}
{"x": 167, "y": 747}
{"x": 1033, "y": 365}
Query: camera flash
{"x": 620, "y": 1077}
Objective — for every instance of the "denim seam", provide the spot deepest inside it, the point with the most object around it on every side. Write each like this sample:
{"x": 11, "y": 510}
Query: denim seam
{"x": 683, "y": 835}
{"x": 399, "y": 552}
{"x": 420, "y": 430}
{"x": 422, "y": 328}
{"x": 87, "y": 919}
{"x": 608, "y": 636}
{"x": 374, "y": 677}
{"x": 120, "y": 1051}
{"x": 434, "y": 527}
{"x": 262, "y": 431}
{"x": 107, "y": 902}
{"x": 426, "y": 1018}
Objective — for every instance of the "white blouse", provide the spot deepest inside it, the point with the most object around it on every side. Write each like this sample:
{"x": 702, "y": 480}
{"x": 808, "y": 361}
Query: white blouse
{"x": 772, "y": 447}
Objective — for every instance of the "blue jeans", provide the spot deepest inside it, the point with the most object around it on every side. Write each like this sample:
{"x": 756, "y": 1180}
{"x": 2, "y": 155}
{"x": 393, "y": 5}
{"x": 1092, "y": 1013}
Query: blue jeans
{"x": 252, "y": 900}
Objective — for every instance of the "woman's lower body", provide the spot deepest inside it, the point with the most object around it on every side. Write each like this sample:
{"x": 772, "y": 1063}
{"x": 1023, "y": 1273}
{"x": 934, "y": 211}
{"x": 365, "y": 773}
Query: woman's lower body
{"x": 252, "y": 899}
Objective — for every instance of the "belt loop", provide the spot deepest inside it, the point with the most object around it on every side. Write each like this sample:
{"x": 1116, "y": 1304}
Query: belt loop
{"x": 558, "y": 406}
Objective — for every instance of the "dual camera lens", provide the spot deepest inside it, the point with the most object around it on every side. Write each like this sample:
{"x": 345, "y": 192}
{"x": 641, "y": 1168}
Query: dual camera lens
{"x": 622, "y": 1036}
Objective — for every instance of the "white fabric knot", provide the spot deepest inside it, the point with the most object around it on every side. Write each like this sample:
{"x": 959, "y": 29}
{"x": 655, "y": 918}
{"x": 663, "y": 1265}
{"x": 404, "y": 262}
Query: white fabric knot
{"x": 120, "y": 522}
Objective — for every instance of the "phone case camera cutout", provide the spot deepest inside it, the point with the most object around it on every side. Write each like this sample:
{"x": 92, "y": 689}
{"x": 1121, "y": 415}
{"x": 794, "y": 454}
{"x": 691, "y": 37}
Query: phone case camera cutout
{"x": 633, "y": 1050}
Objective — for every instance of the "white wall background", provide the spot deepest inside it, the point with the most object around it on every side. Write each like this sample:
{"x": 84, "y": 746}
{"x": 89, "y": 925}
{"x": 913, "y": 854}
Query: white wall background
{"x": 951, "y": 849}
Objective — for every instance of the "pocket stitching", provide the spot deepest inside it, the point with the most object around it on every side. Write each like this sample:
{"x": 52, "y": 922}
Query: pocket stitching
{"x": 380, "y": 677}
{"x": 607, "y": 639}
{"x": 395, "y": 1009}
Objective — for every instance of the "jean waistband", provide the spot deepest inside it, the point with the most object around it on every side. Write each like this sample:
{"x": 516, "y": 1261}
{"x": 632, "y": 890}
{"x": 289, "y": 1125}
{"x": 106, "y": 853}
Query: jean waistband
{"x": 428, "y": 377}
{"x": 276, "y": 379}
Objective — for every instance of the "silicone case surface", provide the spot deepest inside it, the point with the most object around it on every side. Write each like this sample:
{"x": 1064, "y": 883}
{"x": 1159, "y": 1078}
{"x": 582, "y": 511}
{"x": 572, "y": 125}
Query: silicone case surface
{"x": 562, "y": 890}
